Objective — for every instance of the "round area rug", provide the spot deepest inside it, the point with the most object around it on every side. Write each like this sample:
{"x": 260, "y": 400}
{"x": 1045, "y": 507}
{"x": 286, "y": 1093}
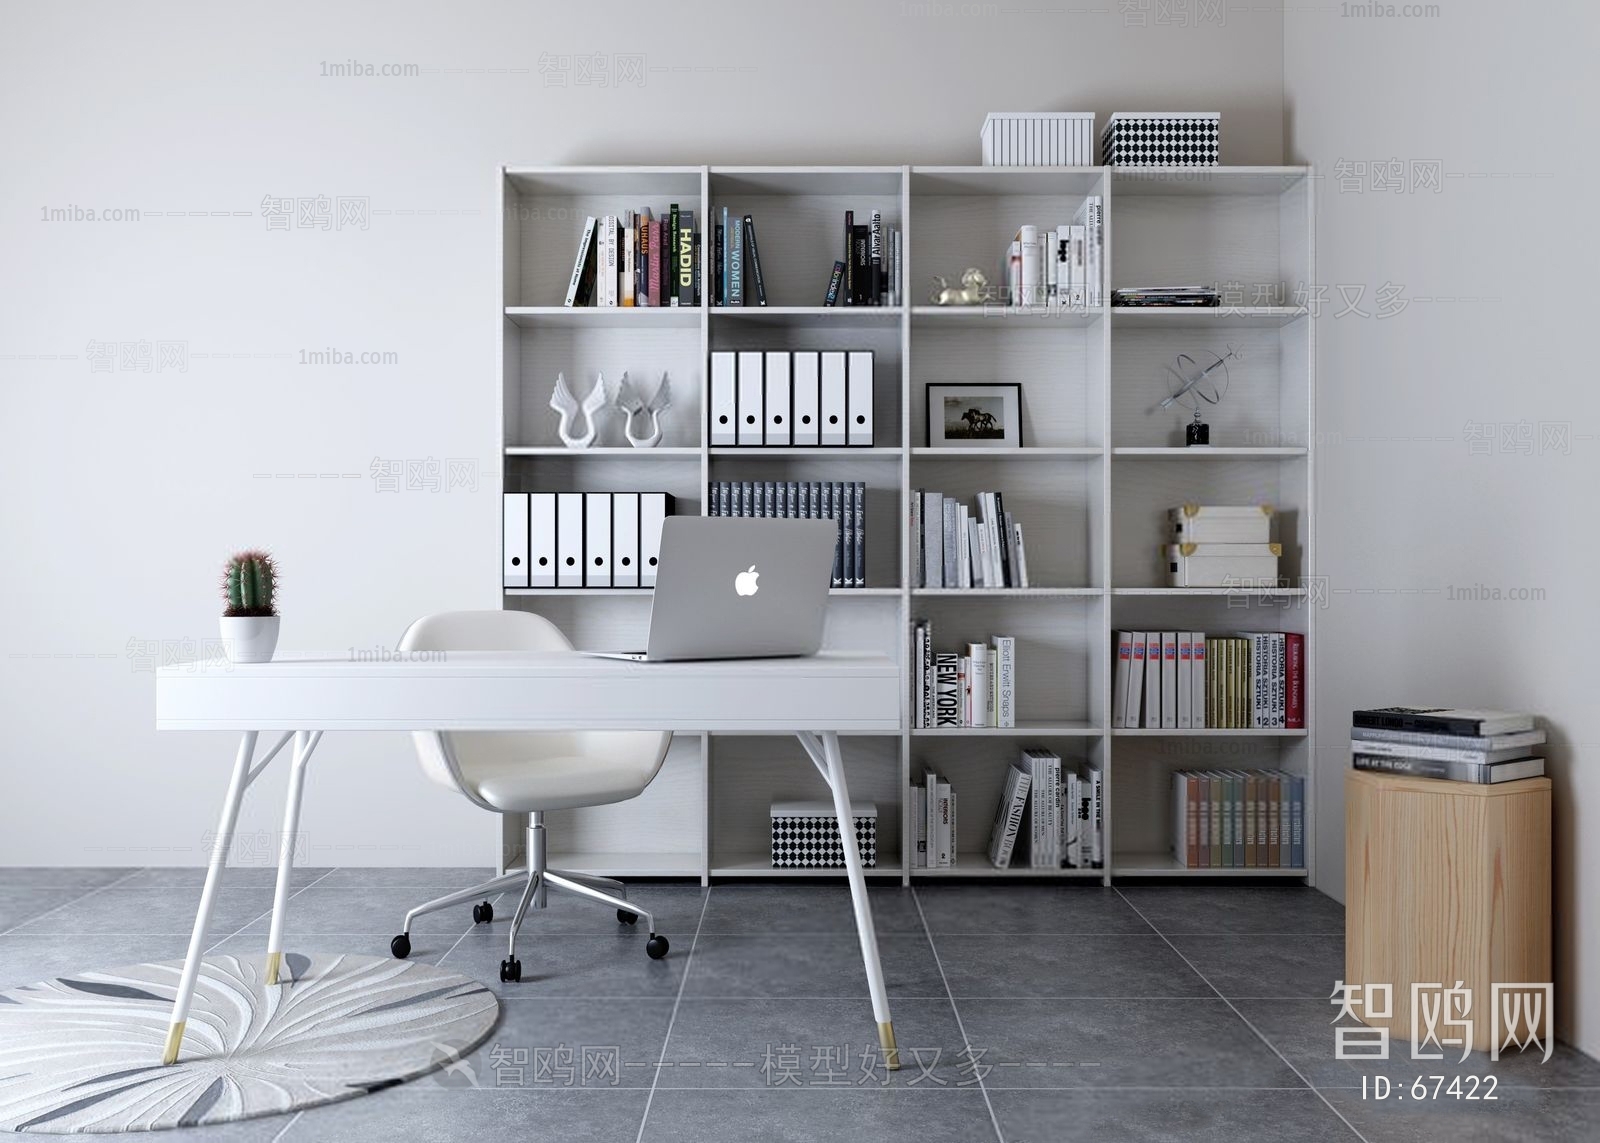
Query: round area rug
{"x": 83, "y": 1052}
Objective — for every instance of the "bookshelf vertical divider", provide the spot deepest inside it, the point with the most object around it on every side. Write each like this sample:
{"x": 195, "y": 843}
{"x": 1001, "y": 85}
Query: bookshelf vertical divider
{"x": 1098, "y": 470}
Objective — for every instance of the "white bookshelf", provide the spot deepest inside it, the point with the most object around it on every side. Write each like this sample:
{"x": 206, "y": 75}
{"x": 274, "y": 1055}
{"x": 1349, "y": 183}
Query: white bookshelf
{"x": 1091, "y": 488}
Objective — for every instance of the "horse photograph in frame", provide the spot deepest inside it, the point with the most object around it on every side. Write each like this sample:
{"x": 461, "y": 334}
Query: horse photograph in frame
{"x": 976, "y": 415}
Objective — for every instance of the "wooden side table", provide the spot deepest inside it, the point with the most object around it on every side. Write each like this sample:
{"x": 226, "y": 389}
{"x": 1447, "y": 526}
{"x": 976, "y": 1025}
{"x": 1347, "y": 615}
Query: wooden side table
{"x": 1446, "y": 882}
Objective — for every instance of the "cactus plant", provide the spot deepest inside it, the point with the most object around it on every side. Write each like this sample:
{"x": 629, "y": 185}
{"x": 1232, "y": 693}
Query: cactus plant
{"x": 249, "y": 581}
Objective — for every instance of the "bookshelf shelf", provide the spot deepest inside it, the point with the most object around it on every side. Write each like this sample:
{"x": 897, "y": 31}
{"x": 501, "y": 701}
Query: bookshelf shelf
{"x": 760, "y": 865}
{"x": 1006, "y": 592}
{"x": 1088, "y": 489}
{"x": 604, "y": 452}
{"x": 1208, "y": 317}
{"x": 629, "y": 864}
{"x": 1021, "y": 730}
{"x": 589, "y": 317}
{"x": 754, "y": 453}
{"x": 1193, "y": 592}
{"x": 1009, "y": 317}
{"x": 992, "y": 455}
{"x": 843, "y": 315}
{"x": 1165, "y": 865}
{"x": 1142, "y": 732}
{"x": 1215, "y": 452}
{"x": 971, "y": 865}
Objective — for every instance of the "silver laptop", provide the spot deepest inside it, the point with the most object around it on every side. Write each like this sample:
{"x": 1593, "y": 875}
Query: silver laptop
{"x": 740, "y": 588}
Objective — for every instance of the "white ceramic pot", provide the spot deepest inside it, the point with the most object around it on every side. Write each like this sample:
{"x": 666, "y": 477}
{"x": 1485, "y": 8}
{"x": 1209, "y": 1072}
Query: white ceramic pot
{"x": 249, "y": 638}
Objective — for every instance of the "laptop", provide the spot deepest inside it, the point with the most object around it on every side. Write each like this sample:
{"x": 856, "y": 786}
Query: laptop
{"x": 739, "y": 588}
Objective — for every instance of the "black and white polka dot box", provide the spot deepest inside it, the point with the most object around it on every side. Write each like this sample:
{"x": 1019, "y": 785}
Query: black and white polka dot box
{"x": 1162, "y": 139}
{"x": 805, "y": 835}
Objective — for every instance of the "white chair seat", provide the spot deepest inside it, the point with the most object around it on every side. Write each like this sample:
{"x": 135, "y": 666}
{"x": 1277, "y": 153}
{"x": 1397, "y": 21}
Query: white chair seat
{"x": 555, "y": 782}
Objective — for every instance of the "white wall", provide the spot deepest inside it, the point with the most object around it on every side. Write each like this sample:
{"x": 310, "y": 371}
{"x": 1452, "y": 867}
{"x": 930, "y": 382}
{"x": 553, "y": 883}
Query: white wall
{"x": 124, "y": 490}
{"x": 1413, "y": 520}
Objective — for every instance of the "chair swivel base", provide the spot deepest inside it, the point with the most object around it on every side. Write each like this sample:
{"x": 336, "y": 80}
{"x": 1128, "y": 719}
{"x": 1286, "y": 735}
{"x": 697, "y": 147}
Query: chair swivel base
{"x": 535, "y": 880}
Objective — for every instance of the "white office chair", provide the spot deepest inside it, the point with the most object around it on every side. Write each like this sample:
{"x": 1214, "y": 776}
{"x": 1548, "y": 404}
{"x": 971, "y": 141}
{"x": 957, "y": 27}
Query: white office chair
{"x": 516, "y": 772}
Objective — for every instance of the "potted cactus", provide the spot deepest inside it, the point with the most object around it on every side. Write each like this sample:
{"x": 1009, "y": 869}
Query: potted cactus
{"x": 250, "y": 621}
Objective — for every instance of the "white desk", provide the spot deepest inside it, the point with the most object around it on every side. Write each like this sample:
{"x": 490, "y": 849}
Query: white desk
{"x": 816, "y": 699}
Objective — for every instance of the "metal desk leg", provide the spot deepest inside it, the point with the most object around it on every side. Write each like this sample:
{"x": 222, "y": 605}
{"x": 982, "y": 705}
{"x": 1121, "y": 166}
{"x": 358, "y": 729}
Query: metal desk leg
{"x": 831, "y": 765}
{"x": 202, "y": 919}
{"x": 304, "y": 744}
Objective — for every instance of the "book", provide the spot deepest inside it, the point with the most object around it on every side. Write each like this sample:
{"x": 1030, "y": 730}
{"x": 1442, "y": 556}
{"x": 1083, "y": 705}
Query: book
{"x": 686, "y": 259}
{"x": 1523, "y": 738}
{"x": 580, "y": 287}
{"x": 629, "y": 234}
{"x": 1485, "y": 774}
{"x": 919, "y": 826}
{"x": 835, "y": 282}
{"x": 656, "y": 230}
{"x": 979, "y": 709}
{"x": 1136, "y": 673}
{"x": 859, "y": 241}
{"x": 1438, "y": 753}
{"x": 874, "y": 257}
{"x": 1008, "y": 815}
{"x": 736, "y": 267}
{"x": 753, "y": 259}
{"x": 1443, "y": 720}
{"x": 947, "y": 693}
{"x": 944, "y": 822}
{"x": 670, "y": 256}
{"x": 719, "y": 286}
{"x": 849, "y": 258}
{"x": 1005, "y": 681}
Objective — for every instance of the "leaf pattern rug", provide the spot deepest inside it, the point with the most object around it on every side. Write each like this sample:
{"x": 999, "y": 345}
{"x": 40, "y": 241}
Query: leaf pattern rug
{"x": 83, "y": 1052}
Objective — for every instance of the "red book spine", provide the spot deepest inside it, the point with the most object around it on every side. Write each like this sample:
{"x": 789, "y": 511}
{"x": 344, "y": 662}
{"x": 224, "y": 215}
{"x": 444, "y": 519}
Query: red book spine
{"x": 1294, "y": 682}
{"x": 655, "y": 263}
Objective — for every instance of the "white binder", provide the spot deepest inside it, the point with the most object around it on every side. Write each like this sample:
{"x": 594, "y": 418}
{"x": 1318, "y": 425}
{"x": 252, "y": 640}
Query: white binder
{"x": 833, "y": 399}
{"x": 779, "y": 423}
{"x": 597, "y": 539}
{"x": 859, "y": 402}
{"x": 751, "y": 415}
{"x": 1197, "y": 680}
{"x": 806, "y": 383}
{"x": 625, "y": 539}
{"x": 1185, "y": 678}
{"x": 653, "y": 508}
{"x": 724, "y": 401}
{"x": 542, "y": 539}
{"x": 515, "y": 539}
{"x": 569, "y": 539}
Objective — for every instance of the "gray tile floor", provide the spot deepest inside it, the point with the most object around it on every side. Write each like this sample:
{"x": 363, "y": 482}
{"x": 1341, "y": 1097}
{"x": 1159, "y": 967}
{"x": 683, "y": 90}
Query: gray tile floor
{"x": 1025, "y": 1013}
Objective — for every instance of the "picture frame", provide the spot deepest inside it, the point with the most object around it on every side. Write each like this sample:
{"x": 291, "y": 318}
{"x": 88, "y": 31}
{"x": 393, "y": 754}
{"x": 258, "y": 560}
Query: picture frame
{"x": 974, "y": 414}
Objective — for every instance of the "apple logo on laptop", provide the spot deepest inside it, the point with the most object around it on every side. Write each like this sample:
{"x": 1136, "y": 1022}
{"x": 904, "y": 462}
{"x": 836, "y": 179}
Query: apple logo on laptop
{"x": 745, "y": 582}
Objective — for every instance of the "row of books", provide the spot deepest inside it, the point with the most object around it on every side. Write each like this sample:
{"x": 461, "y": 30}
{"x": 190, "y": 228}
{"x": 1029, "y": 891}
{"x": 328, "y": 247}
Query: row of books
{"x": 843, "y": 501}
{"x": 1238, "y": 819}
{"x": 736, "y": 269}
{"x": 975, "y": 686}
{"x": 954, "y": 547}
{"x": 869, "y": 272}
{"x": 1060, "y": 266}
{"x": 1188, "y": 680}
{"x": 636, "y": 259}
{"x": 1478, "y": 746}
{"x": 1053, "y": 817}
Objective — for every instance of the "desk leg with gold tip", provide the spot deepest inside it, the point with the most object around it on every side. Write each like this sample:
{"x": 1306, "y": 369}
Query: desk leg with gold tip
{"x": 202, "y": 919}
{"x": 304, "y": 744}
{"x": 824, "y": 751}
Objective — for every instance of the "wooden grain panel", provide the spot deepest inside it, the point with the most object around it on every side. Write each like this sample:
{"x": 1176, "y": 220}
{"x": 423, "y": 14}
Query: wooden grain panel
{"x": 1447, "y": 882}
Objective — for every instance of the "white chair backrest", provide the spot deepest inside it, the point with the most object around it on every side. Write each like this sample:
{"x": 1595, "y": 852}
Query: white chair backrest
{"x": 473, "y": 751}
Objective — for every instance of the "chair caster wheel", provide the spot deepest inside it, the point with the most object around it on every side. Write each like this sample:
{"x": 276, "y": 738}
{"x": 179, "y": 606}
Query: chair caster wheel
{"x": 626, "y": 917}
{"x": 510, "y": 970}
{"x": 401, "y": 946}
{"x": 482, "y": 914}
{"x": 656, "y": 947}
